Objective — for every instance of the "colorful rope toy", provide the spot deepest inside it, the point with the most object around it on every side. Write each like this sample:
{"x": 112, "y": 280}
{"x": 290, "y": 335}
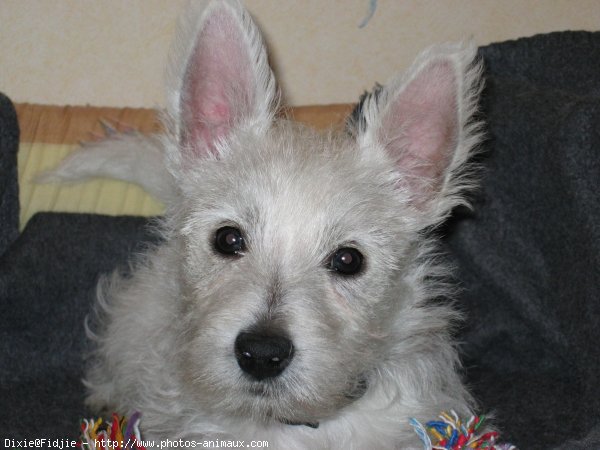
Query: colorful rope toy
{"x": 120, "y": 434}
{"x": 450, "y": 433}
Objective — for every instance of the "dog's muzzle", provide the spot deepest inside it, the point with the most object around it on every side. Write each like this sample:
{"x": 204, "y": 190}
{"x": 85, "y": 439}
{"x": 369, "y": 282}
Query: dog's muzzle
{"x": 263, "y": 356}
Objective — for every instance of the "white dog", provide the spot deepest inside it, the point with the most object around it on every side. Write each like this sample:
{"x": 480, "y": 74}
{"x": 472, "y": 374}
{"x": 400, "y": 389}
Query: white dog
{"x": 295, "y": 298}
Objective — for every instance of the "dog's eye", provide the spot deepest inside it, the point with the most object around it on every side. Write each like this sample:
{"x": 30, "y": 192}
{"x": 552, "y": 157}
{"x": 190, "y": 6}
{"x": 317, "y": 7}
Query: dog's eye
{"x": 347, "y": 261}
{"x": 229, "y": 241}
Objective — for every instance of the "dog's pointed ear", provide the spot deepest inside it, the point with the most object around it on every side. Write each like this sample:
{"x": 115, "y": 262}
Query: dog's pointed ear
{"x": 219, "y": 78}
{"x": 424, "y": 122}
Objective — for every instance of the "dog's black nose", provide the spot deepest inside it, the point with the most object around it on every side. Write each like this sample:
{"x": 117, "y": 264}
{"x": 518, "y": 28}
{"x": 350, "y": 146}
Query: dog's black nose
{"x": 263, "y": 356}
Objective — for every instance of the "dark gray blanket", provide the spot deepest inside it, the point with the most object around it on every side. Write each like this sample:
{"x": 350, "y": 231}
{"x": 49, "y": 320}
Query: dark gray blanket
{"x": 529, "y": 255}
{"x": 9, "y": 188}
{"x": 528, "y": 260}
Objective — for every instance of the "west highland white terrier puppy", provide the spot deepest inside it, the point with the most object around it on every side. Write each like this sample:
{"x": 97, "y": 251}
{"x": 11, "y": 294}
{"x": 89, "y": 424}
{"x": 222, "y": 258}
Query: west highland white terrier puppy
{"x": 295, "y": 297}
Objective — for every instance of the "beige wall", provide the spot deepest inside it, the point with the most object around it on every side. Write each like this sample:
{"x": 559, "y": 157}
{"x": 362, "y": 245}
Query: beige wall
{"x": 112, "y": 52}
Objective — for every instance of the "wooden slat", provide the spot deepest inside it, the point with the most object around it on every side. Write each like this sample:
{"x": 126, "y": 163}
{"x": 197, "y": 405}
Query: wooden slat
{"x": 321, "y": 116}
{"x": 73, "y": 124}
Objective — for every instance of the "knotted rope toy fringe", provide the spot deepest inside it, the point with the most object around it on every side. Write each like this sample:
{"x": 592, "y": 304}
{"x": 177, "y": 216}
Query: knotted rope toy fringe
{"x": 451, "y": 433}
{"x": 448, "y": 433}
{"x": 118, "y": 434}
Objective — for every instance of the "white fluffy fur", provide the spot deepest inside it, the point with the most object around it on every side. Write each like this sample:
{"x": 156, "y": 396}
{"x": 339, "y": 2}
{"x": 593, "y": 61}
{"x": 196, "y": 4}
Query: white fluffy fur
{"x": 165, "y": 335}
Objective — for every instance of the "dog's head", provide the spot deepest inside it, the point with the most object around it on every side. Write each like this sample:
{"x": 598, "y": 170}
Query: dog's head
{"x": 302, "y": 254}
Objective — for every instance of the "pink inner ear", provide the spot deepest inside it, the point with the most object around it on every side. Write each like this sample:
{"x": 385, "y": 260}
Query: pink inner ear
{"x": 421, "y": 127}
{"x": 217, "y": 83}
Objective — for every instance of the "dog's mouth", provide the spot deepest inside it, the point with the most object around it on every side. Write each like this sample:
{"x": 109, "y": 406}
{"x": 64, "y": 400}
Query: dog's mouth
{"x": 269, "y": 389}
{"x": 265, "y": 388}
{"x": 306, "y": 424}
{"x": 261, "y": 389}
{"x": 358, "y": 389}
